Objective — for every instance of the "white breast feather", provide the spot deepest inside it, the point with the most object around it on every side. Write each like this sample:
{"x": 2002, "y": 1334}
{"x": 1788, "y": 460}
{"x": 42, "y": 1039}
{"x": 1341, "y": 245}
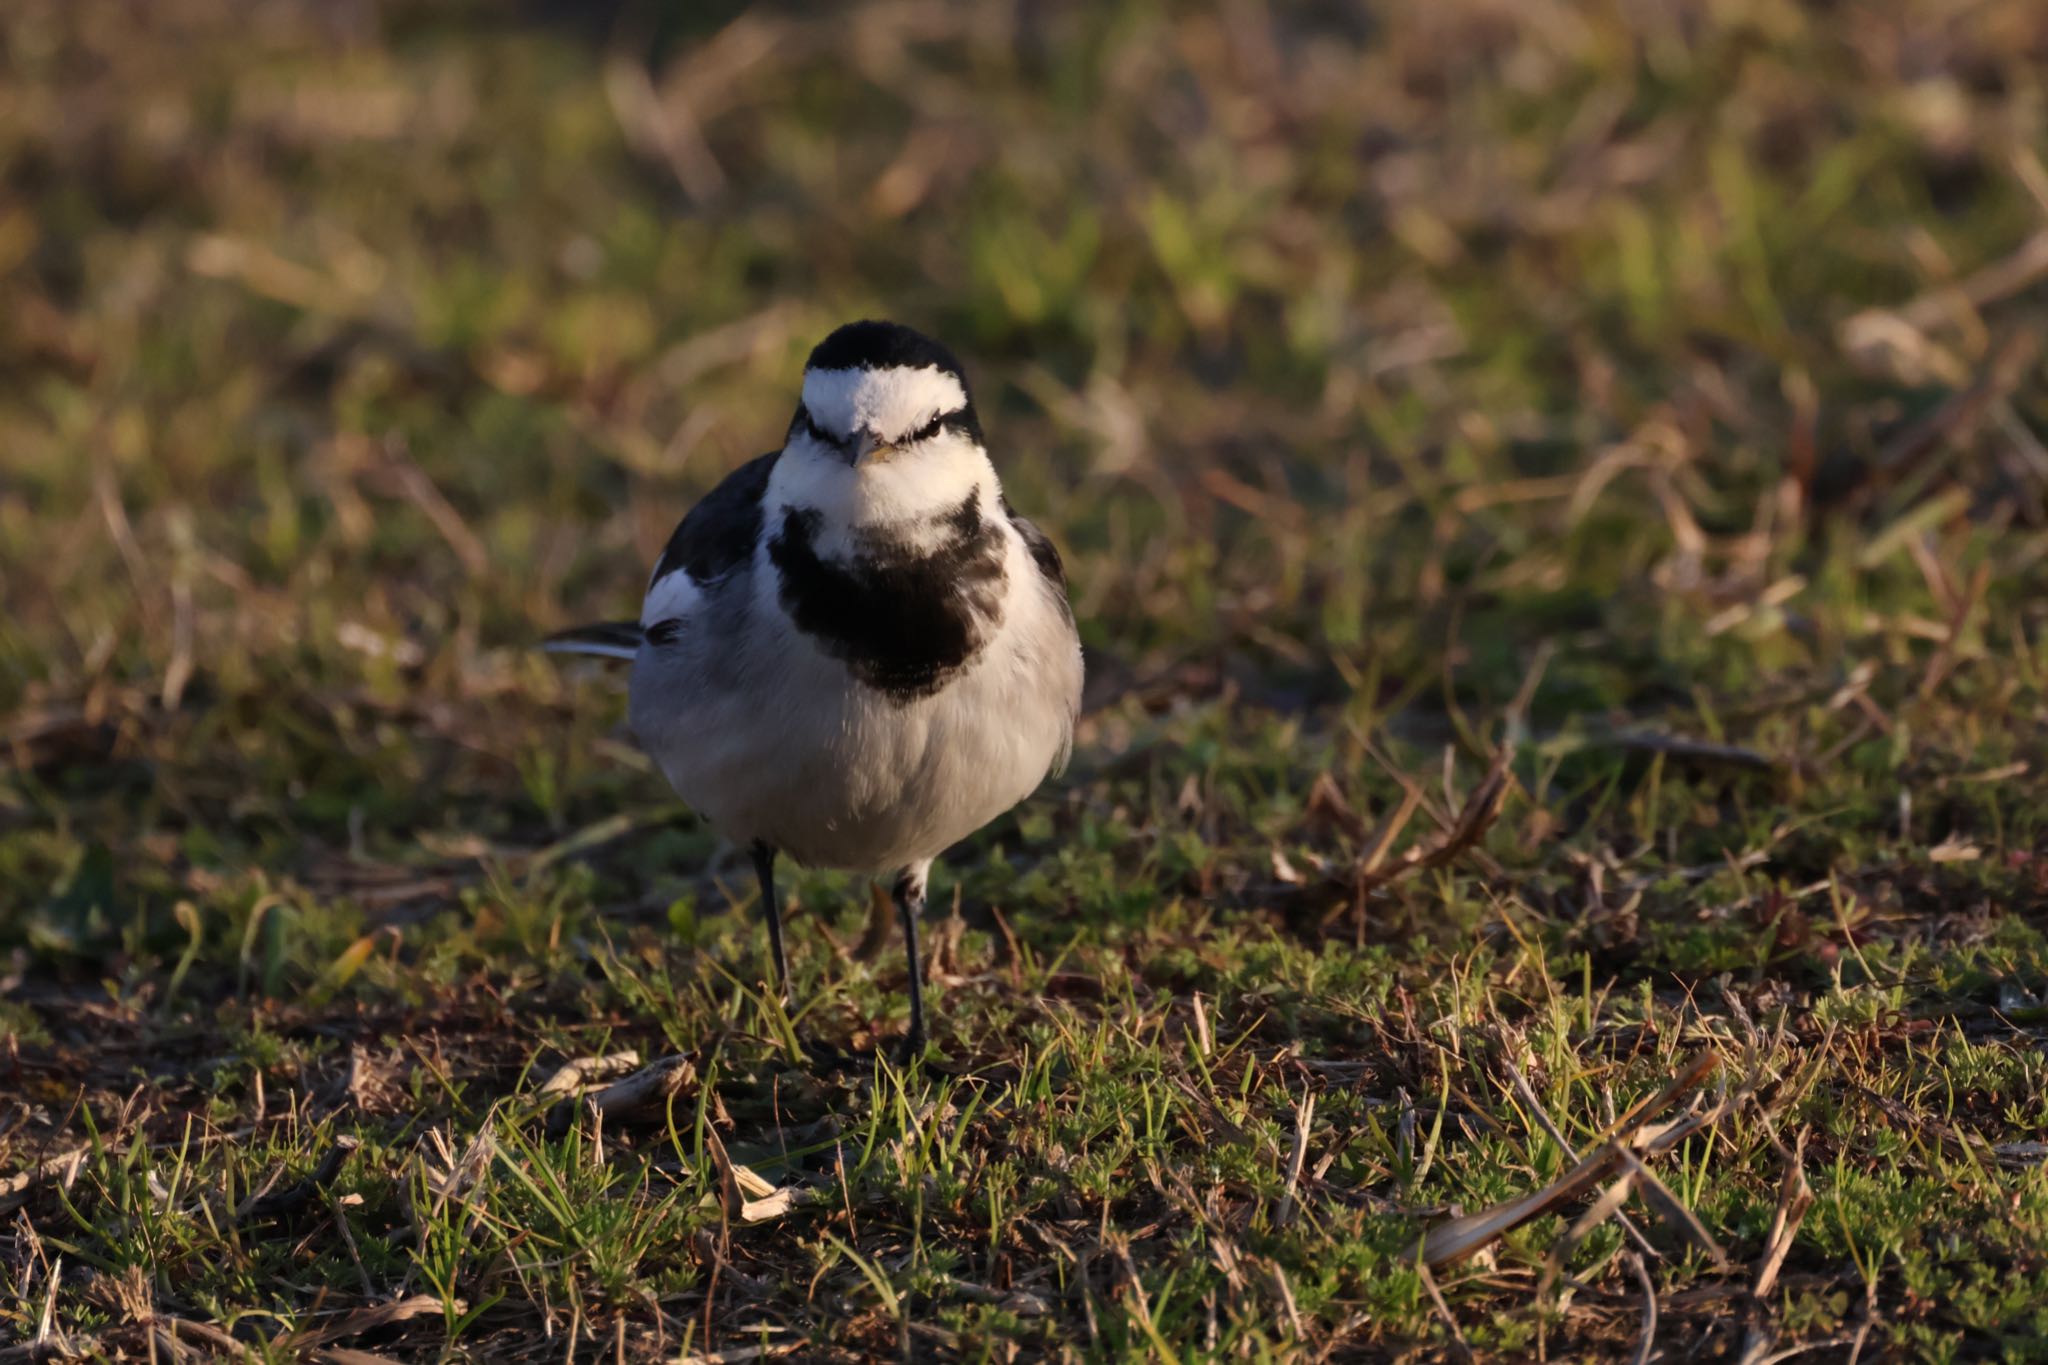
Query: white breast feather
{"x": 839, "y": 775}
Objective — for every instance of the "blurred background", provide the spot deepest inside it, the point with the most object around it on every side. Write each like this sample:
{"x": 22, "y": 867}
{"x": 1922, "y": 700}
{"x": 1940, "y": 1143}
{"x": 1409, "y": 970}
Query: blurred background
{"x": 1653, "y": 385}
{"x": 1356, "y": 355}
{"x": 1352, "y": 353}
{"x": 1348, "y": 350}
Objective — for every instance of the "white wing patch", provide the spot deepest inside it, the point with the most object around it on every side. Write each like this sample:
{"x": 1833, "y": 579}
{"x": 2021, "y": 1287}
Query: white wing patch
{"x": 674, "y": 595}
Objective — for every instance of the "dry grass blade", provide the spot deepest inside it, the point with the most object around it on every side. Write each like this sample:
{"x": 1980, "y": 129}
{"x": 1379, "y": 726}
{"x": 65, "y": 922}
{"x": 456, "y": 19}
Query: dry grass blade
{"x": 1303, "y": 1118}
{"x": 725, "y": 1178}
{"x": 63, "y": 1168}
{"x": 411, "y": 482}
{"x": 738, "y": 1355}
{"x": 1390, "y": 829}
{"x": 1795, "y": 1197}
{"x": 1528, "y": 1096}
{"x": 1648, "y": 1340}
{"x": 366, "y": 1319}
{"x": 651, "y": 1085}
{"x": 1698, "y": 1069}
{"x": 2000, "y": 279}
{"x": 1443, "y": 1311}
{"x": 1326, "y": 802}
{"x": 578, "y": 1072}
{"x": 1284, "y": 1291}
{"x": 205, "y": 1334}
{"x": 1463, "y": 1237}
{"x": 1957, "y": 420}
{"x": 1606, "y": 1206}
{"x": 1474, "y": 818}
{"x": 265, "y": 1204}
{"x": 1673, "y": 1211}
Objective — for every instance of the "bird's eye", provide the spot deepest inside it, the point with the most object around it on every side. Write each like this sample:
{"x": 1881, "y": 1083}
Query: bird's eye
{"x": 927, "y": 431}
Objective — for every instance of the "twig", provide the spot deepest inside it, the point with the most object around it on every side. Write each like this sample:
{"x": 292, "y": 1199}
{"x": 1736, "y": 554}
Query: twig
{"x": 2002, "y": 278}
{"x": 1286, "y": 1293}
{"x": 1474, "y": 818}
{"x": 267, "y": 1205}
{"x": 1303, "y": 1117}
{"x": 651, "y": 1085}
{"x": 365, "y": 1319}
{"x": 1528, "y": 1094}
{"x": 1649, "y": 1338}
{"x": 207, "y": 1334}
{"x": 1443, "y": 1310}
{"x": 1121, "y": 1245}
{"x": 1462, "y": 1237}
{"x": 15, "y": 1189}
{"x": 578, "y": 1072}
{"x": 1671, "y": 1210}
{"x": 1956, "y": 421}
{"x": 412, "y": 483}
{"x": 1823, "y": 1344}
{"x": 1795, "y": 1197}
{"x": 1599, "y": 1211}
{"x": 348, "y": 1239}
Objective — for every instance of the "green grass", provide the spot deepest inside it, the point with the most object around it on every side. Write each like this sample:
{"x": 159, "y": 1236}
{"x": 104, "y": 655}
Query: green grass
{"x": 1400, "y": 384}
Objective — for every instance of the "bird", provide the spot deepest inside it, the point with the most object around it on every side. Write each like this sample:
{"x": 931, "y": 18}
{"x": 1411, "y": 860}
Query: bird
{"x": 853, "y": 652}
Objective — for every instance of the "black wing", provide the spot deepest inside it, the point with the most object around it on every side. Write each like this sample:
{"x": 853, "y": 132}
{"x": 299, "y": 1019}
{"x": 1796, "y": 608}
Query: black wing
{"x": 720, "y": 532}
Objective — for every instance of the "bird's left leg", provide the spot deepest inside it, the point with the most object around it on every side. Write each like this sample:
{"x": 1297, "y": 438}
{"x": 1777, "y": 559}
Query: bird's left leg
{"x": 764, "y": 872}
{"x": 910, "y": 905}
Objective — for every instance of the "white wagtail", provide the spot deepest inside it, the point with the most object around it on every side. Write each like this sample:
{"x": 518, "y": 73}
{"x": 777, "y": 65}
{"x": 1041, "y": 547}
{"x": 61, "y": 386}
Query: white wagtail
{"x": 852, "y": 650}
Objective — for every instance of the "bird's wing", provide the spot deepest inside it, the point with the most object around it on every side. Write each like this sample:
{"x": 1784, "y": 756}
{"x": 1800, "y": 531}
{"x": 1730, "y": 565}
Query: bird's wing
{"x": 609, "y": 639}
{"x": 1043, "y": 552}
{"x": 715, "y": 538}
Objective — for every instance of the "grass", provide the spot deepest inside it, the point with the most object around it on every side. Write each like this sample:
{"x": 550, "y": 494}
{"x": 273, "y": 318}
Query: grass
{"x": 1651, "y": 392}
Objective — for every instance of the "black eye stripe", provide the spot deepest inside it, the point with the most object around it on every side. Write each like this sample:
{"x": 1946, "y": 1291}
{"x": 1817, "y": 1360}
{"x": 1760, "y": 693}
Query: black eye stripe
{"x": 960, "y": 420}
{"x": 928, "y": 430}
{"x": 818, "y": 433}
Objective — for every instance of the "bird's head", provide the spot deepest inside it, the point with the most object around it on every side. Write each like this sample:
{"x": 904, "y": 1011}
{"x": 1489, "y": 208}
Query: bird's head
{"x": 880, "y": 391}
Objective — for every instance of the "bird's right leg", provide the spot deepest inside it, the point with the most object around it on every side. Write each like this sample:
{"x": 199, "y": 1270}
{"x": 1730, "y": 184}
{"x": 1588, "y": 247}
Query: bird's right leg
{"x": 910, "y": 890}
{"x": 764, "y": 872}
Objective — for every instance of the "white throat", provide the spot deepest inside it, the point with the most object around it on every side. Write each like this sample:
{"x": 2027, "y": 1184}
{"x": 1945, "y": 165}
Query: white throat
{"x": 904, "y": 498}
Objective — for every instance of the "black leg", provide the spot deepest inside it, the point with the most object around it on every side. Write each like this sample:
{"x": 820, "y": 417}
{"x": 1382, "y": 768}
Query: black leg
{"x": 764, "y": 872}
{"x": 910, "y": 905}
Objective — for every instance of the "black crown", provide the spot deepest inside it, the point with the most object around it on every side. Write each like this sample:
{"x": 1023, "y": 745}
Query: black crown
{"x": 872, "y": 345}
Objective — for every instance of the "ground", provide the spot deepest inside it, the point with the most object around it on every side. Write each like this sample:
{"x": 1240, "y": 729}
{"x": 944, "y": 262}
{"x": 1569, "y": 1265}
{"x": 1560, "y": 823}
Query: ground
{"x": 1556, "y": 502}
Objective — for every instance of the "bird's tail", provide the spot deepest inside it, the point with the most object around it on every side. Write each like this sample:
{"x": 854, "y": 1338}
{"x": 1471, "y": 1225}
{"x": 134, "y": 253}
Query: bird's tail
{"x": 611, "y": 639}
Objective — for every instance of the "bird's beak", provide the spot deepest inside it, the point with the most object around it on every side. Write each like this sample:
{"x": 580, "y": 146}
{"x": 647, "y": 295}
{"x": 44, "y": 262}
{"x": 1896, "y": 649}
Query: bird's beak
{"x": 868, "y": 447}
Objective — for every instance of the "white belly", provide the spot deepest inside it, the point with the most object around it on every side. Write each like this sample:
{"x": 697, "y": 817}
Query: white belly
{"x": 787, "y": 748}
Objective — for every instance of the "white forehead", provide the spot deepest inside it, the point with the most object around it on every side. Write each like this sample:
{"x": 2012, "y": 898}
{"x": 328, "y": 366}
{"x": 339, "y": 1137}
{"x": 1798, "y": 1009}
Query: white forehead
{"x": 891, "y": 401}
